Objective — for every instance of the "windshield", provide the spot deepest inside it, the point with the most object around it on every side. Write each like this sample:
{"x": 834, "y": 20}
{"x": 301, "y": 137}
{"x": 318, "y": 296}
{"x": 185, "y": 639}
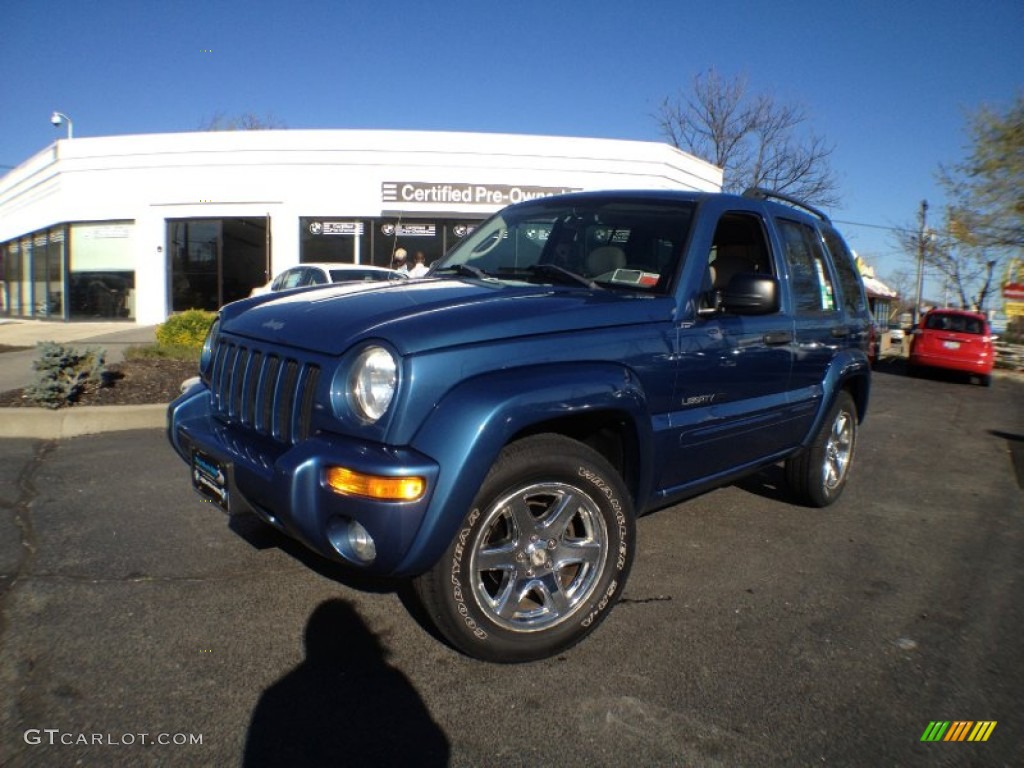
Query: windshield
{"x": 596, "y": 242}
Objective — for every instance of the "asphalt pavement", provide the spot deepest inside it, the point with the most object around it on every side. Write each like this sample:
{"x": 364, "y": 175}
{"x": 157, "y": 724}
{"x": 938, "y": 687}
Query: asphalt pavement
{"x": 139, "y": 626}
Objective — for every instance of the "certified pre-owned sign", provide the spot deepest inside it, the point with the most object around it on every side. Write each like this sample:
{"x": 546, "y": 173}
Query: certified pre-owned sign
{"x": 466, "y": 194}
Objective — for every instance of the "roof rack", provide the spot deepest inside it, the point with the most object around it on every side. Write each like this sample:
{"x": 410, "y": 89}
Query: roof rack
{"x": 767, "y": 194}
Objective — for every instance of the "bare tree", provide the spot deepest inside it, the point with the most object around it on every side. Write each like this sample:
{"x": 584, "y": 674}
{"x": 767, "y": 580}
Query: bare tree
{"x": 902, "y": 282}
{"x": 757, "y": 141}
{"x": 984, "y": 222}
{"x": 967, "y": 269}
{"x": 246, "y": 121}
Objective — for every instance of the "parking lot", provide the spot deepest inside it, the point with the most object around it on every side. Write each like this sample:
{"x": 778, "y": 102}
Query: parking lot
{"x": 139, "y": 627}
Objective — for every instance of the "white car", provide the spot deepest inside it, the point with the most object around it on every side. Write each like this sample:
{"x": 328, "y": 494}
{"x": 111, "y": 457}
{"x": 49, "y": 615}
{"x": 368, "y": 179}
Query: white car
{"x": 322, "y": 273}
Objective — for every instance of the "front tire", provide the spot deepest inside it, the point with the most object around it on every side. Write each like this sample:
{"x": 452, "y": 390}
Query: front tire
{"x": 540, "y": 558}
{"x": 818, "y": 474}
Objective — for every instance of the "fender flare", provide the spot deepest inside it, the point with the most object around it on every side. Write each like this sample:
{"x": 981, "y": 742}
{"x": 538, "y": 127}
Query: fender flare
{"x": 470, "y": 425}
{"x": 850, "y": 371}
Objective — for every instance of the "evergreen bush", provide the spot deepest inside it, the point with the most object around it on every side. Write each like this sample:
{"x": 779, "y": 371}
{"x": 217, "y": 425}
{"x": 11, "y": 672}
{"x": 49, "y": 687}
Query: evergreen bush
{"x": 63, "y": 373}
{"x": 185, "y": 329}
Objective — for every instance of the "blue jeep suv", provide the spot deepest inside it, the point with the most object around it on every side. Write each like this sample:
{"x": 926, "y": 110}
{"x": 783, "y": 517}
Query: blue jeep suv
{"x": 493, "y": 431}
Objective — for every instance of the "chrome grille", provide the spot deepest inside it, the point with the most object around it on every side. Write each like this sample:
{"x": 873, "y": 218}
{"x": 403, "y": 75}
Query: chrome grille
{"x": 261, "y": 390}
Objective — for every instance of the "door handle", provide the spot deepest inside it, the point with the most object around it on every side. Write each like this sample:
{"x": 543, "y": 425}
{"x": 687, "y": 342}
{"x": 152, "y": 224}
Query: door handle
{"x": 774, "y": 338}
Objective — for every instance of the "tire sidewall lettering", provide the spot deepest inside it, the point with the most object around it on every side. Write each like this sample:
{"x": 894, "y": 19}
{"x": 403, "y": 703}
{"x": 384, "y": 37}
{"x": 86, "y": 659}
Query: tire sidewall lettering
{"x": 456, "y": 582}
{"x": 620, "y": 516}
{"x": 601, "y": 604}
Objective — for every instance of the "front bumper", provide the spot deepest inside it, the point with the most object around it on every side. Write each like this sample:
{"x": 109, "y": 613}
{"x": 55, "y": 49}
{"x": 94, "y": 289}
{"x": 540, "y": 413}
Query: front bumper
{"x": 284, "y": 484}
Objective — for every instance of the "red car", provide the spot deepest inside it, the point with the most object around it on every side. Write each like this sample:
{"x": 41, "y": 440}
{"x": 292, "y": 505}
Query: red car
{"x": 955, "y": 340}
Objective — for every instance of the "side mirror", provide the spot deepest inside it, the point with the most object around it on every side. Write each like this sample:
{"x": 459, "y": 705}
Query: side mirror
{"x": 751, "y": 294}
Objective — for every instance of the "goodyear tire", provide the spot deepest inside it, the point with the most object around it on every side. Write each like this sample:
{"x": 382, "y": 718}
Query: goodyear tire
{"x": 818, "y": 474}
{"x": 540, "y": 558}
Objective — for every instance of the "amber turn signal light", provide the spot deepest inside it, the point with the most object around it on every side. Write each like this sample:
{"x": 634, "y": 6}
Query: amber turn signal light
{"x": 351, "y": 483}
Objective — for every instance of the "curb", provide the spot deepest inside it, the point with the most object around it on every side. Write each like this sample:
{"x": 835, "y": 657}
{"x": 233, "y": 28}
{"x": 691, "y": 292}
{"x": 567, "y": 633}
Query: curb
{"x": 61, "y": 423}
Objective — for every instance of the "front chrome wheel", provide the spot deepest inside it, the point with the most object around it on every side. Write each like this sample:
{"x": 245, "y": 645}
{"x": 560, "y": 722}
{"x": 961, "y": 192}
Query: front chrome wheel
{"x": 539, "y": 553}
{"x": 540, "y": 557}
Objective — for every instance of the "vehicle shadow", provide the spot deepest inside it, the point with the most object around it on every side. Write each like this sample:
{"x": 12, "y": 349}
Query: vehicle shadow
{"x": 261, "y": 536}
{"x": 891, "y": 366}
{"x": 897, "y": 366}
{"x": 1008, "y": 436}
{"x": 768, "y": 483}
{"x": 343, "y": 705}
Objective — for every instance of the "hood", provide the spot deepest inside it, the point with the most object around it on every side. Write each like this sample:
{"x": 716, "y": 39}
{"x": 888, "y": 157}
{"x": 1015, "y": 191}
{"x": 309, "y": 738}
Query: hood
{"x": 431, "y": 314}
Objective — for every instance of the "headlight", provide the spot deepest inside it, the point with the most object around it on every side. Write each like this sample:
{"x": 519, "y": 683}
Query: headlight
{"x": 372, "y": 382}
{"x": 206, "y": 355}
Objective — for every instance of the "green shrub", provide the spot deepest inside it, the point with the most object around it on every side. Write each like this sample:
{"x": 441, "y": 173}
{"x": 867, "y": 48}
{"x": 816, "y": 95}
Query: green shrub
{"x": 188, "y": 354}
{"x": 185, "y": 329}
{"x": 64, "y": 373}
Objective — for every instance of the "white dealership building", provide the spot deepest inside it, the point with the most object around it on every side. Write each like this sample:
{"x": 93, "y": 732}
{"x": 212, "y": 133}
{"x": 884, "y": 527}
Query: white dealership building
{"x": 137, "y": 227}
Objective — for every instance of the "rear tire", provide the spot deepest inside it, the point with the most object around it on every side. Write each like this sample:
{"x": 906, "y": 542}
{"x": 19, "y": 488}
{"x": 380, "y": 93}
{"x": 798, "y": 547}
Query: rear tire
{"x": 540, "y": 558}
{"x": 818, "y": 474}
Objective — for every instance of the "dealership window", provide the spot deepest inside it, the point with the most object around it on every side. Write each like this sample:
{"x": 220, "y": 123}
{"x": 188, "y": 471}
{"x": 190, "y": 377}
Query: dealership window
{"x": 333, "y": 240}
{"x": 212, "y": 262}
{"x": 374, "y": 241}
{"x": 32, "y": 275}
{"x": 434, "y": 237}
{"x": 10, "y": 278}
{"x": 101, "y": 274}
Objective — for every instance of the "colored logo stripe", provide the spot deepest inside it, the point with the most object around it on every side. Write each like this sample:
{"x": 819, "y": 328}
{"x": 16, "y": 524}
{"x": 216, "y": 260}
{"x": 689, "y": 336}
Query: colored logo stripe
{"x": 982, "y": 730}
{"x": 958, "y": 730}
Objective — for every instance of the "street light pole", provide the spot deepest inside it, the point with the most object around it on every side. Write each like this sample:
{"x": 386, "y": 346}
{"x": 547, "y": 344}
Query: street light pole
{"x": 56, "y": 119}
{"x": 922, "y": 220}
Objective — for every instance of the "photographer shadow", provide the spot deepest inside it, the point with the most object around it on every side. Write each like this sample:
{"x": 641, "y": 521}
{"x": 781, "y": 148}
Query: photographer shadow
{"x": 343, "y": 705}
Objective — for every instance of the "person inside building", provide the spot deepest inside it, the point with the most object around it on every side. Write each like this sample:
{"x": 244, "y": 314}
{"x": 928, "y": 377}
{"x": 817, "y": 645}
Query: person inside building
{"x": 398, "y": 261}
{"x": 419, "y": 266}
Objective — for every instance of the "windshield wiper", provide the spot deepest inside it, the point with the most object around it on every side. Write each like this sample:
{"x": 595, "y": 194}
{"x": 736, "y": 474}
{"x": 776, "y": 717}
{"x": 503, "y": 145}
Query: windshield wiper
{"x": 466, "y": 270}
{"x": 566, "y": 276}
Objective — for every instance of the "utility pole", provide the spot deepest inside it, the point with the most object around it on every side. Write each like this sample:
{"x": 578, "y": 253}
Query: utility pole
{"x": 922, "y": 220}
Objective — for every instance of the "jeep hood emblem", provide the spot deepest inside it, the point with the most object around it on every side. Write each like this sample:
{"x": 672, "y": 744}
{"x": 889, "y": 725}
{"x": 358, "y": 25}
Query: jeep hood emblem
{"x": 274, "y": 325}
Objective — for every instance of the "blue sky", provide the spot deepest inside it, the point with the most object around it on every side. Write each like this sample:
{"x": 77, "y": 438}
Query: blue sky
{"x": 889, "y": 83}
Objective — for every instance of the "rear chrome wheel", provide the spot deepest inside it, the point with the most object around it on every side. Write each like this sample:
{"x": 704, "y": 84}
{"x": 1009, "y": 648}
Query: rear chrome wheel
{"x": 838, "y": 451}
{"x": 818, "y": 474}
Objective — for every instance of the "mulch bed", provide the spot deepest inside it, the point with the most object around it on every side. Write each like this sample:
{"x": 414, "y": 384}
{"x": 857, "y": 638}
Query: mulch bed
{"x": 133, "y": 382}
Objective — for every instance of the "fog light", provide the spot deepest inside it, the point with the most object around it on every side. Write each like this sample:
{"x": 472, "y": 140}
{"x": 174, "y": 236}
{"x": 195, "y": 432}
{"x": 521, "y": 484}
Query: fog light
{"x": 360, "y": 542}
{"x": 350, "y": 483}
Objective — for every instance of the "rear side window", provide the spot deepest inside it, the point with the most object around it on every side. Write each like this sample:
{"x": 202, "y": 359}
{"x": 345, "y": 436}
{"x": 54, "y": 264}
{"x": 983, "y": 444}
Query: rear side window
{"x": 853, "y": 298}
{"x": 809, "y": 276}
{"x": 291, "y": 278}
{"x": 939, "y": 321}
